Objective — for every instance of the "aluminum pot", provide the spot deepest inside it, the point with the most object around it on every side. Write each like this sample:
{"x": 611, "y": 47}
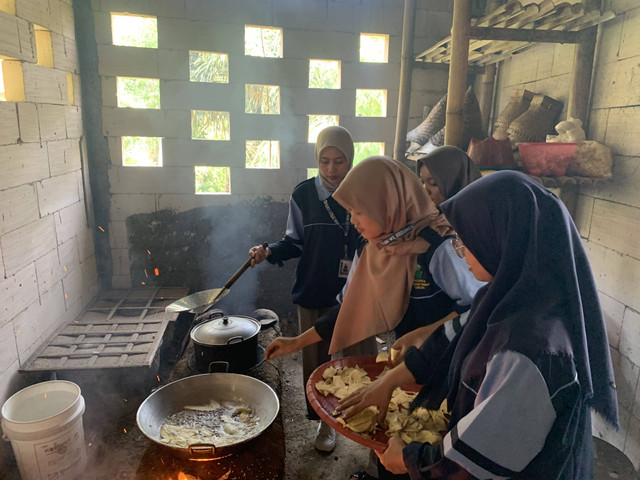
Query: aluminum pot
{"x": 230, "y": 339}
{"x": 202, "y": 389}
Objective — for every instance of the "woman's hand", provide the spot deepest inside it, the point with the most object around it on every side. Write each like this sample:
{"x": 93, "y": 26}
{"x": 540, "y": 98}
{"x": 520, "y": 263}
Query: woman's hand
{"x": 377, "y": 393}
{"x": 392, "y": 458}
{"x": 415, "y": 338}
{"x": 258, "y": 254}
{"x": 282, "y": 346}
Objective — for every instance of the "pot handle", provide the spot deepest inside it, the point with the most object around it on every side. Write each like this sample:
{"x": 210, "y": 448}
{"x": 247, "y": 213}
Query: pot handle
{"x": 223, "y": 367}
{"x": 235, "y": 340}
{"x": 206, "y": 316}
{"x": 202, "y": 451}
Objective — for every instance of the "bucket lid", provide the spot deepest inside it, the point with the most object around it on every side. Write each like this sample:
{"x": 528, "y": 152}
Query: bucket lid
{"x": 221, "y": 330}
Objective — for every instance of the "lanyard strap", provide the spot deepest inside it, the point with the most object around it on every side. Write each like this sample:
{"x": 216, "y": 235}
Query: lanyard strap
{"x": 335, "y": 219}
{"x": 395, "y": 236}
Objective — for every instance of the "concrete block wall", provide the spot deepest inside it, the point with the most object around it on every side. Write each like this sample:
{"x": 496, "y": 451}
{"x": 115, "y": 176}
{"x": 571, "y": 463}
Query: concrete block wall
{"x": 311, "y": 30}
{"x": 608, "y": 216}
{"x": 47, "y": 262}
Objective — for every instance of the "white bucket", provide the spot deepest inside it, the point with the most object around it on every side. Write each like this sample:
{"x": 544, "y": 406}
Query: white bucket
{"x": 44, "y": 424}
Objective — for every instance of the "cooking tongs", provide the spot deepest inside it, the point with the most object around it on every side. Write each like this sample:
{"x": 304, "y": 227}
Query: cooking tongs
{"x": 201, "y": 302}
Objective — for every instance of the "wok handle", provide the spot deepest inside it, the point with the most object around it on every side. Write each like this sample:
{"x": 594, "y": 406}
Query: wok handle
{"x": 202, "y": 450}
{"x": 242, "y": 269}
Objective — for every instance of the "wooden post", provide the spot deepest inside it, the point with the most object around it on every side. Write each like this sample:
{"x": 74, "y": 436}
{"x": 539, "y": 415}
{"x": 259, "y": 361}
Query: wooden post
{"x": 580, "y": 93}
{"x": 488, "y": 78}
{"x": 406, "y": 72}
{"x": 457, "y": 72}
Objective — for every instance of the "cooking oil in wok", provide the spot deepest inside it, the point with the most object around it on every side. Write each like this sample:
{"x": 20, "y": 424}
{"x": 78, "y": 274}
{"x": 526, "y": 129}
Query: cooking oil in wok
{"x": 216, "y": 423}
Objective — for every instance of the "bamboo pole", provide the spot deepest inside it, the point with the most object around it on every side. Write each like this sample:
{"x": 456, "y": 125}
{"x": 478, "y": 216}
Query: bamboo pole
{"x": 406, "y": 69}
{"x": 578, "y": 106}
{"x": 457, "y": 73}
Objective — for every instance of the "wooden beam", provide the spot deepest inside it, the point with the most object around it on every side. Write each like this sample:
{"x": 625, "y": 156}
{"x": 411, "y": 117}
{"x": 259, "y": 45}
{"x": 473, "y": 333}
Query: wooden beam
{"x": 471, "y": 69}
{"x": 404, "y": 94}
{"x": 458, "y": 73}
{"x": 524, "y": 35}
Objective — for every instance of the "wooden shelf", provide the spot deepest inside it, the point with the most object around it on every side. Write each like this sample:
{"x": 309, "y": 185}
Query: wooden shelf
{"x": 516, "y": 26}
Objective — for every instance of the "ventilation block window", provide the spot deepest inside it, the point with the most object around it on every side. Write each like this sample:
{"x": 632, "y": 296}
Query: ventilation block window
{"x": 44, "y": 47}
{"x": 210, "y": 125}
{"x": 11, "y": 80}
{"x": 371, "y": 103}
{"x": 362, "y": 150}
{"x": 213, "y": 180}
{"x": 8, "y": 6}
{"x": 142, "y": 151}
{"x": 374, "y": 48}
{"x": 208, "y": 67}
{"x": 312, "y": 172}
{"x": 262, "y": 41}
{"x": 264, "y": 99}
{"x": 324, "y": 74}
{"x": 134, "y": 30}
{"x": 138, "y": 92}
{"x": 318, "y": 122}
{"x": 262, "y": 154}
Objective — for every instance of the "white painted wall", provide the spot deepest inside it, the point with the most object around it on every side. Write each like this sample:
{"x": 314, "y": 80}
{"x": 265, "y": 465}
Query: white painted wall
{"x": 313, "y": 29}
{"x": 47, "y": 263}
{"x": 608, "y": 216}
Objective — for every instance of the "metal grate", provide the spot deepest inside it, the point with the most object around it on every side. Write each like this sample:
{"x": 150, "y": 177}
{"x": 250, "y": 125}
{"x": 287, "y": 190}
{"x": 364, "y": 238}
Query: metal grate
{"x": 121, "y": 328}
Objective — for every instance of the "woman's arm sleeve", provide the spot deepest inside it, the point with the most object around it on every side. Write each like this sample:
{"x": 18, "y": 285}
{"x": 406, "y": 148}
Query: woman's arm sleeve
{"x": 325, "y": 324}
{"x": 292, "y": 243}
{"x": 507, "y": 427}
{"x": 452, "y": 274}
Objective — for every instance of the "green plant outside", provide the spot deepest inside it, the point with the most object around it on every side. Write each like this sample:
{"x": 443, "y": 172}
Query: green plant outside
{"x": 373, "y": 48}
{"x": 134, "y": 31}
{"x": 364, "y": 150}
{"x": 208, "y": 67}
{"x": 141, "y": 151}
{"x": 262, "y": 154}
{"x": 312, "y": 172}
{"x": 262, "y": 99}
{"x": 138, "y": 92}
{"x": 213, "y": 180}
{"x": 324, "y": 74}
{"x": 263, "y": 41}
{"x": 319, "y": 122}
{"x": 210, "y": 125}
{"x": 370, "y": 103}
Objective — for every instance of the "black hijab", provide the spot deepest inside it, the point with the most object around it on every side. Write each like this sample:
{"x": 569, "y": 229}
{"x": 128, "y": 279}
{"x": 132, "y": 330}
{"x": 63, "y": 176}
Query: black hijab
{"x": 543, "y": 299}
{"x": 451, "y": 168}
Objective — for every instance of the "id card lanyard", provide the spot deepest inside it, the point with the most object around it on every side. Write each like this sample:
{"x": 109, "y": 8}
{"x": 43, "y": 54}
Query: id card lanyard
{"x": 345, "y": 263}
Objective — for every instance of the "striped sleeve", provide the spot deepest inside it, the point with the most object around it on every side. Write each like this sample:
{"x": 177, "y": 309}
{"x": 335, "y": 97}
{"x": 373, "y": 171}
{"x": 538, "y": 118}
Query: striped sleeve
{"x": 291, "y": 245}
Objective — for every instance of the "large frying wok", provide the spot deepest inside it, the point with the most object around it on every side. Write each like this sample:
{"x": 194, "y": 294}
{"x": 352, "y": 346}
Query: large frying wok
{"x": 201, "y": 389}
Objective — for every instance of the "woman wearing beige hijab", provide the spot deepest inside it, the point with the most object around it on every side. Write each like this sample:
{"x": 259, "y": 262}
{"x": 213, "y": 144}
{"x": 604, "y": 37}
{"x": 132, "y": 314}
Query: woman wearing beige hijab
{"x": 406, "y": 277}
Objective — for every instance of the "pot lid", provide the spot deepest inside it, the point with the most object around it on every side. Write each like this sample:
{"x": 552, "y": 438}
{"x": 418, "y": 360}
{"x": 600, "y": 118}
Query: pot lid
{"x": 220, "y": 330}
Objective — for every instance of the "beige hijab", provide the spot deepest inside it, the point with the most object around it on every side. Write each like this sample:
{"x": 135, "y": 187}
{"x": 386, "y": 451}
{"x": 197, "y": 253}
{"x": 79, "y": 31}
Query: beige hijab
{"x": 378, "y": 295}
{"x": 340, "y": 138}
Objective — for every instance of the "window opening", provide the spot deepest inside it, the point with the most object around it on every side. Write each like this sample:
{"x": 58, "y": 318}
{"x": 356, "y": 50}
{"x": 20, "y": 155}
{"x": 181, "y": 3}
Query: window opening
{"x": 374, "y": 48}
{"x": 138, "y": 92}
{"x": 262, "y": 41}
{"x": 262, "y": 99}
{"x": 134, "y": 30}
{"x": 142, "y": 151}
{"x": 213, "y": 180}
{"x": 319, "y": 122}
{"x": 44, "y": 47}
{"x": 362, "y": 150}
{"x": 210, "y": 67}
{"x": 11, "y": 80}
{"x": 371, "y": 103}
{"x": 262, "y": 154}
{"x": 312, "y": 172}
{"x": 210, "y": 125}
{"x": 324, "y": 74}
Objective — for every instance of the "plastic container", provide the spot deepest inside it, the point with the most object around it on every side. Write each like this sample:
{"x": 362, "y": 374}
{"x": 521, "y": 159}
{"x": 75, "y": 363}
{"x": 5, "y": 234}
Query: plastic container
{"x": 44, "y": 424}
{"x": 541, "y": 158}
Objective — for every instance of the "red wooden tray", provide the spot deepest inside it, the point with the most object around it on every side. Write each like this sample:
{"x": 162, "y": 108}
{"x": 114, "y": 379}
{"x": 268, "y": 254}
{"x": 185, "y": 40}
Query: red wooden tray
{"x": 325, "y": 406}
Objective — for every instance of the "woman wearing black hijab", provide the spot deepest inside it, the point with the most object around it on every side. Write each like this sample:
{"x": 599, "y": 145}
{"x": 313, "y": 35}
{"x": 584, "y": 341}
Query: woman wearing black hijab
{"x": 445, "y": 171}
{"x": 533, "y": 358}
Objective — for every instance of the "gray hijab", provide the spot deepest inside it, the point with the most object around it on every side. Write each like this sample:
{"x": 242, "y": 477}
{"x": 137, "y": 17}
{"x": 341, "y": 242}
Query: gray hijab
{"x": 337, "y": 137}
{"x": 451, "y": 168}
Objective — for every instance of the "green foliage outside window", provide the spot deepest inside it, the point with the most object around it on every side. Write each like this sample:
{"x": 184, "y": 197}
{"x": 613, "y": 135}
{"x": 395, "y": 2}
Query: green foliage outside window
{"x": 263, "y": 41}
{"x": 364, "y": 150}
{"x": 134, "y": 30}
{"x": 324, "y": 74}
{"x": 317, "y": 123}
{"x": 213, "y": 180}
{"x": 371, "y": 103}
{"x": 141, "y": 151}
{"x": 208, "y": 67}
{"x": 262, "y": 154}
{"x": 210, "y": 125}
{"x": 373, "y": 48}
{"x": 264, "y": 99}
{"x": 312, "y": 172}
{"x": 138, "y": 92}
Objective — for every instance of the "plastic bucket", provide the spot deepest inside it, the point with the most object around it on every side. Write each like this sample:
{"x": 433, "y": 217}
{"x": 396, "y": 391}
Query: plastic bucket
{"x": 44, "y": 424}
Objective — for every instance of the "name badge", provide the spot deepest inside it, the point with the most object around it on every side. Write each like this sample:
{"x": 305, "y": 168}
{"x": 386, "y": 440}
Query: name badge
{"x": 343, "y": 269}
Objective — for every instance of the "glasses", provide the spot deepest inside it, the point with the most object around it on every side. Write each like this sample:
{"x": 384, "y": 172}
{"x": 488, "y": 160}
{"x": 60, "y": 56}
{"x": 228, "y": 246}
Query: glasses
{"x": 458, "y": 246}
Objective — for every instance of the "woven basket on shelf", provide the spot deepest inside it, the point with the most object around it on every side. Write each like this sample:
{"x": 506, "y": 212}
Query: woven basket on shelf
{"x": 539, "y": 120}
{"x": 518, "y": 104}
